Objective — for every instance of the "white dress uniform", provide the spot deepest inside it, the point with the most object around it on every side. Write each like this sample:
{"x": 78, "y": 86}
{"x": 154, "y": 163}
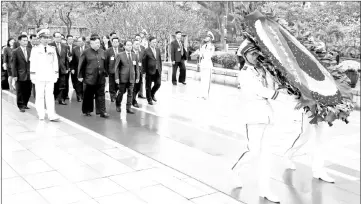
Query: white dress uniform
{"x": 206, "y": 52}
{"x": 44, "y": 73}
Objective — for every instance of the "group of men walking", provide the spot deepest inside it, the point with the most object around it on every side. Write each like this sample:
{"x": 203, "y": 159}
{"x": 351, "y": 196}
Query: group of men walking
{"x": 49, "y": 66}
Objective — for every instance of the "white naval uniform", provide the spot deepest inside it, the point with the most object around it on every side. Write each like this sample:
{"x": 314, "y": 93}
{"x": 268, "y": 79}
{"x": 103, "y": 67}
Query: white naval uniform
{"x": 44, "y": 72}
{"x": 206, "y": 52}
{"x": 260, "y": 94}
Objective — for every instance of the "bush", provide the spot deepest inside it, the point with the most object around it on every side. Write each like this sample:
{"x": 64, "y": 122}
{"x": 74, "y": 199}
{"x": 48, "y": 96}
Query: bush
{"x": 227, "y": 60}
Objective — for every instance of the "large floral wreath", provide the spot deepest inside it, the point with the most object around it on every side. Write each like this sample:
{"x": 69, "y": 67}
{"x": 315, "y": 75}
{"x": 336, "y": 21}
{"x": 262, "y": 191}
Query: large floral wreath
{"x": 295, "y": 68}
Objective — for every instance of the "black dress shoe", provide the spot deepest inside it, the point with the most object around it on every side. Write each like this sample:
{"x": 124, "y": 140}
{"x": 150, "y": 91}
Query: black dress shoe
{"x": 154, "y": 99}
{"x": 78, "y": 98}
{"x": 136, "y": 105}
{"x": 130, "y": 111}
{"x": 22, "y": 110}
{"x": 118, "y": 109}
{"x": 104, "y": 115}
{"x": 141, "y": 96}
{"x": 67, "y": 98}
{"x": 26, "y": 107}
{"x": 112, "y": 99}
{"x": 174, "y": 84}
{"x": 87, "y": 114}
{"x": 62, "y": 102}
{"x": 183, "y": 83}
{"x": 150, "y": 102}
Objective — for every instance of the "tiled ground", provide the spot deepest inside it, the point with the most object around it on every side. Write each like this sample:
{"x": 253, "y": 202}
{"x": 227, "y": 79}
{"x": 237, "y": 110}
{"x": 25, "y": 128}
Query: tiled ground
{"x": 44, "y": 162}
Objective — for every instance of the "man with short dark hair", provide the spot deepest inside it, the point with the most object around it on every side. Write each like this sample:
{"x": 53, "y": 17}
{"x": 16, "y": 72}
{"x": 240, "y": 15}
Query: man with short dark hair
{"x": 110, "y": 56}
{"x": 178, "y": 55}
{"x": 62, "y": 53}
{"x": 126, "y": 74}
{"x": 113, "y": 34}
{"x": 152, "y": 65}
{"x": 21, "y": 73}
{"x": 138, "y": 86}
{"x": 69, "y": 43}
{"x": 33, "y": 38}
{"x": 75, "y": 55}
{"x": 92, "y": 74}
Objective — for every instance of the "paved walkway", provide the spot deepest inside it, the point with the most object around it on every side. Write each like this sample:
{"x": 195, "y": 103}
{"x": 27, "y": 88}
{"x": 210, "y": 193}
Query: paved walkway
{"x": 45, "y": 162}
{"x": 202, "y": 139}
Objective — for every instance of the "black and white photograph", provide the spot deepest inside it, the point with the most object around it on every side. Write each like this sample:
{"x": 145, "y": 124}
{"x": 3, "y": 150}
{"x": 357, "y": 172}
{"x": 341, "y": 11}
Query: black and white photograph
{"x": 180, "y": 102}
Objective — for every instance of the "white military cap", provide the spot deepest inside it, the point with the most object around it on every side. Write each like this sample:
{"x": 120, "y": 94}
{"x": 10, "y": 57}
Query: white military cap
{"x": 43, "y": 32}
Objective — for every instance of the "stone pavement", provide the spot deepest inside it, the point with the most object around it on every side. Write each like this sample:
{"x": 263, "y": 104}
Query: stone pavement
{"x": 202, "y": 139}
{"x": 57, "y": 163}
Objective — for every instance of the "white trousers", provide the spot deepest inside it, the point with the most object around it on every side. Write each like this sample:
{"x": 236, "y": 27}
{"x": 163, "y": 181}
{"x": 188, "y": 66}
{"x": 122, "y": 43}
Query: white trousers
{"x": 311, "y": 132}
{"x": 45, "y": 97}
{"x": 206, "y": 75}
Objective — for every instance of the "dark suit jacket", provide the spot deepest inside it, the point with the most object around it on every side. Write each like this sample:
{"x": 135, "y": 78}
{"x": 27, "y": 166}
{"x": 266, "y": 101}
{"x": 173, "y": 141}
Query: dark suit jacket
{"x": 140, "y": 60}
{"x": 8, "y": 53}
{"x": 17, "y": 44}
{"x": 20, "y": 66}
{"x": 175, "y": 54}
{"x": 62, "y": 57}
{"x": 150, "y": 62}
{"x": 91, "y": 67}
{"x": 124, "y": 71}
{"x": 109, "y": 63}
{"x": 75, "y": 54}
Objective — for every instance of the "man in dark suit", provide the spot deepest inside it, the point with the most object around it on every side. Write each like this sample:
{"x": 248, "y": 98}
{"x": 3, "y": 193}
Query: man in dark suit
{"x": 152, "y": 65}
{"x": 17, "y": 43}
{"x": 126, "y": 74}
{"x": 92, "y": 74}
{"x": 21, "y": 73}
{"x": 62, "y": 53}
{"x": 142, "y": 80}
{"x": 138, "y": 86}
{"x": 75, "y": 56}
{"x": 70, "y": 46}
{"x": 178, "y": 55}
{"x": 110, "y": 54}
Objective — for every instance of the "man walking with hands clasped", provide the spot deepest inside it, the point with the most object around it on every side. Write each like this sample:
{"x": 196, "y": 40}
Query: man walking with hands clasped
{"x": 178, "y": 55}
{"x": 126, "y": 75}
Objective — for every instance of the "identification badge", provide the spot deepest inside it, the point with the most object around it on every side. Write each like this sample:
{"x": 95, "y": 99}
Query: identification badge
{"x": 134, "y": 63}
{"x": 179, "y": 49}
{"x": 140, "y": 64}
{"x": 112, "y": 58}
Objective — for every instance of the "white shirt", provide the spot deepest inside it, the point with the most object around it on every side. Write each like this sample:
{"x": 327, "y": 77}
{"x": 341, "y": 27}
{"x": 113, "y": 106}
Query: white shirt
{"x": 44, "y": 66}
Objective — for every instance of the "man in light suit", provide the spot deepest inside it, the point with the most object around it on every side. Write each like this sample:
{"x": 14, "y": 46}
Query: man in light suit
{"x": 178, "y": 55}
{"x": 152, "y": 65}
{"x": 44, "y": 72}
{"x": 138, "y": 86}
{"x": 110, "y": 54}
{"x": 126, "y": 74}
{"x": 21, "y": 73}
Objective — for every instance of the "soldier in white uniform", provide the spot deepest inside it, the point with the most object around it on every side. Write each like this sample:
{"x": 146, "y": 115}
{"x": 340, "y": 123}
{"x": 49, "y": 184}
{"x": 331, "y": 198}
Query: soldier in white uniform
{"x": 44, "y": 73}
{"x": 261, "y": 93}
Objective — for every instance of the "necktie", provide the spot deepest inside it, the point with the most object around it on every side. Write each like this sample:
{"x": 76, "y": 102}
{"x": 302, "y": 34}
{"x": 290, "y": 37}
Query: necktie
{"x": 59, "y": 47}
{"x": 181, "y": 47}
{"x": 154, "y": 53}
{"x": 25, "y": 54}
{"x": 81, "y": 50}
{"x": 45, "y": 49}
{"x": 129, "y": 58}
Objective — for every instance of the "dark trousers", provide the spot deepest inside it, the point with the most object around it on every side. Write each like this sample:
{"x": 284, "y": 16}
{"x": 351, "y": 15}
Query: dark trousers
{"x": 66, "y": 89}
{"x": 90, "y": 91}
{"x": 59, "y": 88}
{"x": 23, "y": 93}
{"x": 113, "y": 87}
{"x": 182, "y": 72}
{"x": 77, "y": 85}
{"x": 123, "y": 87}
{"x": 137, "y": 88}
{"x": 156, "y": 78}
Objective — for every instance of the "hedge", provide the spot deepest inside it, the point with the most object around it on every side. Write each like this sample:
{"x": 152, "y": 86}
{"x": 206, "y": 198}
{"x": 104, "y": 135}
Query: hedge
{"x": 227, "y": 60}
